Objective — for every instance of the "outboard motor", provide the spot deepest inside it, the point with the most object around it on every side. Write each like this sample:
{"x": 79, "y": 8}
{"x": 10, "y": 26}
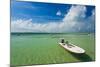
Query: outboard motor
{"x": 62, "y": 40}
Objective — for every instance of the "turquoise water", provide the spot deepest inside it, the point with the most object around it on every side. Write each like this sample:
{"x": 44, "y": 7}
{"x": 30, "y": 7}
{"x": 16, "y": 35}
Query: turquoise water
{"x": 30, "y": 49}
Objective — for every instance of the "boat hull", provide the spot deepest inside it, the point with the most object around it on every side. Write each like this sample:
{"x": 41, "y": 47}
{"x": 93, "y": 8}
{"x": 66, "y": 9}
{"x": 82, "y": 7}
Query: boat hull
{"x": 72, "y": 48}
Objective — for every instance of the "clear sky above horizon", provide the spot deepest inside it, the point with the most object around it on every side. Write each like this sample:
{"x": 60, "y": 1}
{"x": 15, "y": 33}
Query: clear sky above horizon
{"x": 52, "y": 18}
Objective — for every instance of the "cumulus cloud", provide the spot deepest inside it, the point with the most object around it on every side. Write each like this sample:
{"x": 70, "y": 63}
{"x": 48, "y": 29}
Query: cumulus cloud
{"x": 58, "y": 13}
{"x": 74, "y": 21}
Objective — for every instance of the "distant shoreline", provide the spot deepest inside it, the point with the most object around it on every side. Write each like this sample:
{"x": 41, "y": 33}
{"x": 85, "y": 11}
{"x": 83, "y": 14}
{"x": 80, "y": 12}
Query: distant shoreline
{"x": 16, "y": 33}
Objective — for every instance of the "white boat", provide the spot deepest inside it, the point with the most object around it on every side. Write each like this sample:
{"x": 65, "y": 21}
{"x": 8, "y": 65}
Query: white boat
{"x": 72, "y": 48}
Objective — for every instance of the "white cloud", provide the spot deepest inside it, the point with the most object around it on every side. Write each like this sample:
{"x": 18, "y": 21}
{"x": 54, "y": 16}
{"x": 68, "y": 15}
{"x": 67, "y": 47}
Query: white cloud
{"x": 73, "y": 21}
{"x": 58, "y": 13}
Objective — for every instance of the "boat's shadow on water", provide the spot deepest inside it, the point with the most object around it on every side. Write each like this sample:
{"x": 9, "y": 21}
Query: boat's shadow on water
{"x": 82, "y": 57}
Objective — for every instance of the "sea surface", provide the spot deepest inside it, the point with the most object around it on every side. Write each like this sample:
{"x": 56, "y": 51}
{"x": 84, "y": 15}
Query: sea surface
{"x": 43, "y": 48}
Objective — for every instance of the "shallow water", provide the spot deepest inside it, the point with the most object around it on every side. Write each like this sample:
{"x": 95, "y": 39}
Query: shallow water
{"x": 30, "y": 49}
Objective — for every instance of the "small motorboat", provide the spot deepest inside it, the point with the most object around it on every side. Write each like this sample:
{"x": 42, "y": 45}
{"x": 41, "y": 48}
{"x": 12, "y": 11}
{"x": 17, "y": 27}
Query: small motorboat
{"x": 71, "y": 47}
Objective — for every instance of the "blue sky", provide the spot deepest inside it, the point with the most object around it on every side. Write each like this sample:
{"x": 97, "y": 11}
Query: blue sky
{"x": 45, "y": 12}
{"x": 52, "y": 18}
